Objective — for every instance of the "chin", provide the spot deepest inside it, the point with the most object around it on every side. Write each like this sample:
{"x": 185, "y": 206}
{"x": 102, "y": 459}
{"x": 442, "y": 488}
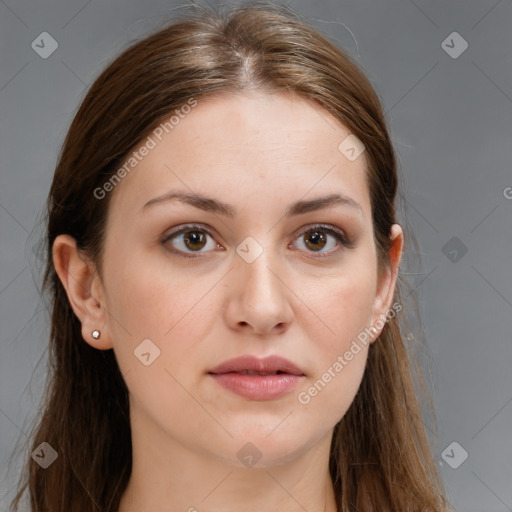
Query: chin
{"x": 253, "y": 448}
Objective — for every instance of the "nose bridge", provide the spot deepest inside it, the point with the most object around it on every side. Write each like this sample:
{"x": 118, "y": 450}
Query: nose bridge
{"x": 261, "y": 290}
{"x": 258, "y": 266}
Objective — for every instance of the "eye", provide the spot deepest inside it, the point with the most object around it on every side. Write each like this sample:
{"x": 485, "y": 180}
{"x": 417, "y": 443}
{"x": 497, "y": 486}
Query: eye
{"x": 317, "y": 238}
{"x": 194, "y": 238}
{"x": 190, "y": 239}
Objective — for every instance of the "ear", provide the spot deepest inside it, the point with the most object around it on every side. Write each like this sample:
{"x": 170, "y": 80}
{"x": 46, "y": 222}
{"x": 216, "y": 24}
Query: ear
{"x": 84, "y": 290}
{"x": 387, "y": 282}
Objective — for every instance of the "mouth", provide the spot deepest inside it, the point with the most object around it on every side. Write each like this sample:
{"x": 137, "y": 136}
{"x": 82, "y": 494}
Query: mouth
{"x": 251, "y": 372}
{"x": 252, "y": 365}
{"x": 258, "y": 379}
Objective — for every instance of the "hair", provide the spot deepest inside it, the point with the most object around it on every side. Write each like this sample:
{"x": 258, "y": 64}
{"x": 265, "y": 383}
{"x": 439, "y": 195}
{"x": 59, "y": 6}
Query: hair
{"x": 380, "y": 456}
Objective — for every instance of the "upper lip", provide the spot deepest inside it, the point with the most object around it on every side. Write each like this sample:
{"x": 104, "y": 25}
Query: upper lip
{"x": 270, "y": 364}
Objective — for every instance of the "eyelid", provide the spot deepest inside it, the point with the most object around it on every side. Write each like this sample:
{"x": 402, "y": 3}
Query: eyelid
{"x": 326, "y": 227}
{"x": 183, "y": 229}
{"x": 340, "y": 235}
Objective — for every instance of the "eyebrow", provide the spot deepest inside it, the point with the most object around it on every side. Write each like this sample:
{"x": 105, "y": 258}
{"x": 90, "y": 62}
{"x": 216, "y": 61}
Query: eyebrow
{"x": 215, "y": 206}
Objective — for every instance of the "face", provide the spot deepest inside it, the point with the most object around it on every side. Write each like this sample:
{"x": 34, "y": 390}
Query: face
{"x": 267, "y": 272}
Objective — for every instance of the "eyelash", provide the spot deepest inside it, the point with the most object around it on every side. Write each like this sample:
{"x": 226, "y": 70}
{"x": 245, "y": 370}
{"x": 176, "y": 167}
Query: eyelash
{"x": 337, "y": 234}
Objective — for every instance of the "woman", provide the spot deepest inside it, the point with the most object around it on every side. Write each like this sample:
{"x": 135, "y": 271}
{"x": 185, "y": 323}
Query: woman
{"x": 223, "y": 262}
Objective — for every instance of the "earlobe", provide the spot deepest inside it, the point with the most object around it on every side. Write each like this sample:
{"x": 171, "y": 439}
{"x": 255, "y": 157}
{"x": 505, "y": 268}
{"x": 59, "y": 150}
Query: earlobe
{"x": 83, "y": 288}
{"x": 387, "y": 283}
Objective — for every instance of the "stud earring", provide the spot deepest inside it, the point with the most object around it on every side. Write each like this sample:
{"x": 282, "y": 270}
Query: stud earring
{"x": 96, "y": 334}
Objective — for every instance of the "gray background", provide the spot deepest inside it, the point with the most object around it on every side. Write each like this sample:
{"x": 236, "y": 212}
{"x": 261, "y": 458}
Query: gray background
{"x": 450, "y": 120}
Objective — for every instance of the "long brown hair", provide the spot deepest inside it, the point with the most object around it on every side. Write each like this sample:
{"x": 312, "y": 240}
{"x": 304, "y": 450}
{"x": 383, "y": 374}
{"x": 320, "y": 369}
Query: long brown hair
{"x": 380, "y": 457}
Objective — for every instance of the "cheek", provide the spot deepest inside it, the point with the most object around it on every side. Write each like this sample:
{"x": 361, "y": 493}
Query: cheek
{"x": 340, "y": 334}
{"x": 332, "y": 392}
{"x": 342, "y": 304}
{"x": 167, "y": 308}
{"x": 159, "y": 303}
{"x": 341, "y": 353}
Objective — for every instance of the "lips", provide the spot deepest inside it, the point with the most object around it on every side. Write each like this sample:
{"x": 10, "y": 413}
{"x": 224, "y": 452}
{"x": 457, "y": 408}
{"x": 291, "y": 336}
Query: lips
{"x": 251, "y": 365}
{"x": 258, "y": 379}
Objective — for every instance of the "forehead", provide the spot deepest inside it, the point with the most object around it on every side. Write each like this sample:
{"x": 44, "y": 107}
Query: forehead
{"x": 281, "y": 145}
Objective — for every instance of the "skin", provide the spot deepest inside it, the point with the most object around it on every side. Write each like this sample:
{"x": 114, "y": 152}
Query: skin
{"x": 259, "y": 153}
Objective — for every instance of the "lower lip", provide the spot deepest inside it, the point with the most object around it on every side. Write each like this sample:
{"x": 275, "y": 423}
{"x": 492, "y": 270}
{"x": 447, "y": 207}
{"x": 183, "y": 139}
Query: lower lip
{"x": 258, "y": 387}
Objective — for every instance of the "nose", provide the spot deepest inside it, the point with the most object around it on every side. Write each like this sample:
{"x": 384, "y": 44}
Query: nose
{"x": 259, "y": 297}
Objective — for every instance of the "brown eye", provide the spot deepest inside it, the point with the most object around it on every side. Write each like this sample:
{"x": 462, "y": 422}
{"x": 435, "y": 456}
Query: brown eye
{"x": 315, "y": 240}
{"x": 318, "y": 238}
{"x": 194, "y": 240}
{"x": 188, "y": 240}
